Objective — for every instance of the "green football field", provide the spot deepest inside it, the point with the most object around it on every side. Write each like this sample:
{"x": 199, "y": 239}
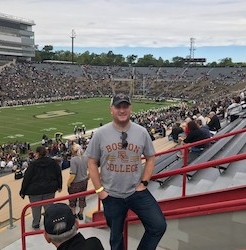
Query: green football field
{"x": 29, "y": 123}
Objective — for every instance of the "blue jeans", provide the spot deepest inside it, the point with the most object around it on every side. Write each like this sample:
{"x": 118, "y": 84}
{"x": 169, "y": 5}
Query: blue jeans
{"x": 148, "y": 211}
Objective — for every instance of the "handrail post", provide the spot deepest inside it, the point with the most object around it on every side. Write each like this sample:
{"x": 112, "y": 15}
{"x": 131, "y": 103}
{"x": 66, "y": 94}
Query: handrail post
{"x": 99, "y": 204}
{"x": 125, "y": 234}
{"x": 9, "y": 200}
{"x": 11, "y": 225}
{"x": 186, "y": 152}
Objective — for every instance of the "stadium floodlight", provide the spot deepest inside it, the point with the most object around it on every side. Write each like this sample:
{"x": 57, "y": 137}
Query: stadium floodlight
{"x": 192, "y": 47}
{"x": 73, "y": 35}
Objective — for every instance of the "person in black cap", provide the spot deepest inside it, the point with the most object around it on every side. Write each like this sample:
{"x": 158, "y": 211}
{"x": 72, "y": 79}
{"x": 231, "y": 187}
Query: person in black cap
{"x": 120, "y": 180}
{"x": 60, "y": 229}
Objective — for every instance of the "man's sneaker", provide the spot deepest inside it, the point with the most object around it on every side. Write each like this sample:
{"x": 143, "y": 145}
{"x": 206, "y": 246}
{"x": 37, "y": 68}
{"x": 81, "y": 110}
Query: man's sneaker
{"x": 80, "y": 216}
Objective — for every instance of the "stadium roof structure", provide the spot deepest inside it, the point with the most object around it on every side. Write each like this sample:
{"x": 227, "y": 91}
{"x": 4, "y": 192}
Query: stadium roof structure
{"x": 16, "y": 19}
{"x": 16, "y": 38}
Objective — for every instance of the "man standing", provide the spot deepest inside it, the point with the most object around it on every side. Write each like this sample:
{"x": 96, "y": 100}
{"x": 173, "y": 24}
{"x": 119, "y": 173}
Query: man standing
{"x": 122, "y": 181}
{"x": 41, "y": 180}
{"x": 75, "y": 130}
{"x": 83, "y": 128}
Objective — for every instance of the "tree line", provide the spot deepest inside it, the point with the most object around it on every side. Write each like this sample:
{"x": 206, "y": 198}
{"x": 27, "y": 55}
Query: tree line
{"x": 111, "y": 59}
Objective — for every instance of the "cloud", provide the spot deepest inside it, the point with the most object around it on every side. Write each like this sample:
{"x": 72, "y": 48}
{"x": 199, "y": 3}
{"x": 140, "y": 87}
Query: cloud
{"x": 116, "y": 23}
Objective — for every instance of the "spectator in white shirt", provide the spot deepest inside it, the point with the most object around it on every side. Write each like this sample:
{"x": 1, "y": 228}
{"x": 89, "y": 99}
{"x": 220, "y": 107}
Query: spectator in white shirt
{"x": 234, "y": 108}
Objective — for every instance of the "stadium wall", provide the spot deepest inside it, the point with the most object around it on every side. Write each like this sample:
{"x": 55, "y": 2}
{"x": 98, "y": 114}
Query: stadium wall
{"x": 16, "y": 38}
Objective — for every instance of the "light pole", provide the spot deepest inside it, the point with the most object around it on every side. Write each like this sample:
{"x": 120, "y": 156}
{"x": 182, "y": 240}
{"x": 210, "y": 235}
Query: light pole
{"x": 73, "y": 35}
{"x": 192, "y": 47}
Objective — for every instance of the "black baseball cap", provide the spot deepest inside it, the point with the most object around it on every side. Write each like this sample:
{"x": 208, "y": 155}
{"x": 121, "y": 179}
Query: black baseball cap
{"x": 119, "y": 98}
{"x": 55, "y": 214}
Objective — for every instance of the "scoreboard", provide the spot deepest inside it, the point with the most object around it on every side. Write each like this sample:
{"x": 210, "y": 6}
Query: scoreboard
{"x": 195, "y": 60}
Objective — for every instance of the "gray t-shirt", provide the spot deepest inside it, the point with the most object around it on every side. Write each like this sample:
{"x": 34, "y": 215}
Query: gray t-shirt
{"x": 121, "y": 169}
{"x": 78, "y": 166}
{"x": 234, "y": 108}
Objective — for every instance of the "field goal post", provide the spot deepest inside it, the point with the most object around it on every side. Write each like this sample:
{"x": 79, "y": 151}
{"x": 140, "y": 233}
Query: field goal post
{"x": 128, "y": 86}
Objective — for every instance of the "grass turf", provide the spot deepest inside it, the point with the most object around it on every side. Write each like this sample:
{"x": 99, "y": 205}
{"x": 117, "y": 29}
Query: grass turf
{"x": 29, "y": 123}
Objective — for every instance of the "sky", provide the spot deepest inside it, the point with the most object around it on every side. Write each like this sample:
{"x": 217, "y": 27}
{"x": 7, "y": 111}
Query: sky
{"x": 162, "y": 28}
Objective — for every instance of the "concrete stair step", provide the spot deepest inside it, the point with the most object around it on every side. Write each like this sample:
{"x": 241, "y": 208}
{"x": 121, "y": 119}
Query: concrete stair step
{"x": 239, "y": 179}
{"x": 222, "y": 182}
{"x": 203, "y": 185}
{"x": 171, "y": 191}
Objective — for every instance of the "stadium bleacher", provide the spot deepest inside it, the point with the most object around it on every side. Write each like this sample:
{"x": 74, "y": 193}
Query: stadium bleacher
{"x": 67, "y": 79}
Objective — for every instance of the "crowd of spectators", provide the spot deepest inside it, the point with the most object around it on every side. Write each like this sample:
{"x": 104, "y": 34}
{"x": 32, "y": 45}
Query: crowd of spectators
{"x": 11, "y": 155}
{"x": 28, "y": 83}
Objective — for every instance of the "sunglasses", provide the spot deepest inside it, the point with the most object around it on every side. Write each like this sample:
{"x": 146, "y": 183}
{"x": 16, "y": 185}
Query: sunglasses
{"x": 124, "y": 141}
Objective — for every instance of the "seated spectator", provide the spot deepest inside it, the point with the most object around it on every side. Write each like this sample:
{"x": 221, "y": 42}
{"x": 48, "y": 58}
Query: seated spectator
{"x": 207, "y": 119}
{"x": 2, "y": 164}
{"x": 214, "y": 123}
{"x": 163, "y": 129}
{"x": 194, "y": 117}
{"x": 234, "y": 108}
{"x": 151, "y": 133}
{"x": 221, "y": 112}
{"x": 10, "y": 164}
{"x": 243, "y": 104}
{"x": 202, "y": 119}
{"x": 176, "y": 131}
{"x": 204, "y": 128}
{"x": 60, "y": 229}
{"x": 195, "y": 134}
{"x": 185, "y": 125}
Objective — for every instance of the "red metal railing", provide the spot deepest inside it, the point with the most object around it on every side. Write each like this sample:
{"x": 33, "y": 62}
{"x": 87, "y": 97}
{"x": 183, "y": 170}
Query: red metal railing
{"x": 199, "y": 166}
{"x": 182, "y": 171}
